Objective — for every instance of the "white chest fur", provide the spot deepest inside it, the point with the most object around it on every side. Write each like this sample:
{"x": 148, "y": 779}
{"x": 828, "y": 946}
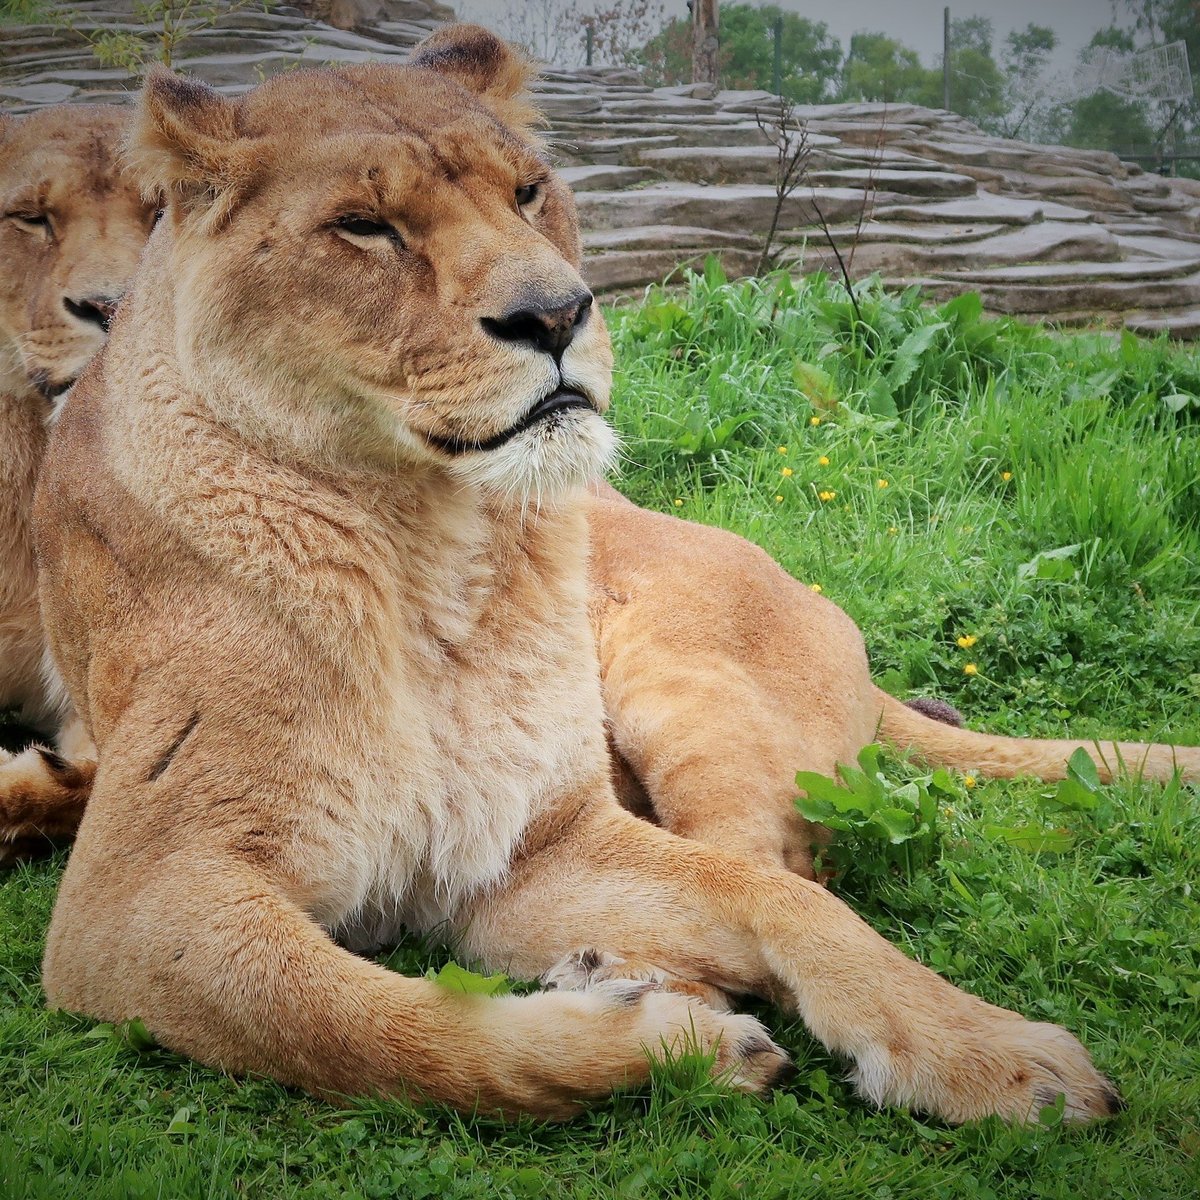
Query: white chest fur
{"x": 489, "y": 714}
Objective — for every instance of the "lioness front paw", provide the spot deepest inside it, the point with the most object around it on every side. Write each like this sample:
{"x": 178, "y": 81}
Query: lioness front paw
{"x": 585, "y": 968}
{"x": 991, "y": 1062}
{"x": 42, "y": 799}
{"x": 676, "y": 1019}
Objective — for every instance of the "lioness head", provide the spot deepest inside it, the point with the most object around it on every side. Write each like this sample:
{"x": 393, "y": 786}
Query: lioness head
{"x": 71, "y": 228}
{"x": 378, "y": 261}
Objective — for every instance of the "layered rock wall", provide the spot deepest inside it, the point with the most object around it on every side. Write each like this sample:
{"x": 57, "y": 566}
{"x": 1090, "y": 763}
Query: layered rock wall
{"x": 664, "y": 176}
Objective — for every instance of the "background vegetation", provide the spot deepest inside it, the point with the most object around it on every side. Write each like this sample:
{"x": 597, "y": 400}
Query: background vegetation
{"x": 1007, "y": 87}
{"x": 978, "y": 494}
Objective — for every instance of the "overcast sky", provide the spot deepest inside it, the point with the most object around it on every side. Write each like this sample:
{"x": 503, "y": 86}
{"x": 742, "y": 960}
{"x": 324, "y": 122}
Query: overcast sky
{"x": 917, "y": 23}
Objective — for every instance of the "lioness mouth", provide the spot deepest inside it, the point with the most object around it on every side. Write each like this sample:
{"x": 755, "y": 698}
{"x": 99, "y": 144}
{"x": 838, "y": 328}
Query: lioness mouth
{"x": 557, "y": 401}
{"x": 48, "y": 389}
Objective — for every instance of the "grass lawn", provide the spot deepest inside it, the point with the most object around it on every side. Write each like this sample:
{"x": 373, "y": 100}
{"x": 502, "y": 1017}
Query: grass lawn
{"x": 941, "y": 477}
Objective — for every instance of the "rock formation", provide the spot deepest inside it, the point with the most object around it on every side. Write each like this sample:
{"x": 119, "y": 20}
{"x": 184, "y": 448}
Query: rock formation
{"x": 665, "y": 175}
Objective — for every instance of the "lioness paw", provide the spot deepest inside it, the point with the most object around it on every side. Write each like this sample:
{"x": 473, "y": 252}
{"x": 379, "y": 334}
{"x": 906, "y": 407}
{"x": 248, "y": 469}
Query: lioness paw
{"x": 1001, "y": 1065}
{"x": 673, "y": 1018}
{"x": 42, "y": 798}
{"x": 585, "y": 968}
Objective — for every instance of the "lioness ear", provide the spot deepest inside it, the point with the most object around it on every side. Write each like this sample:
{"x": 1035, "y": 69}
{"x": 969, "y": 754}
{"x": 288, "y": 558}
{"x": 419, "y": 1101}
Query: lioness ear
{"x": 484, "y": 64}
{"x": 182, "y": 140}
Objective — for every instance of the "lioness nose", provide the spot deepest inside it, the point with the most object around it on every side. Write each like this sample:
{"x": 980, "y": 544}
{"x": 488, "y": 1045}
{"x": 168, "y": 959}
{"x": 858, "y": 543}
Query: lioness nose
{"x": 98, "y": 310}
{"x": 548, "y": 325}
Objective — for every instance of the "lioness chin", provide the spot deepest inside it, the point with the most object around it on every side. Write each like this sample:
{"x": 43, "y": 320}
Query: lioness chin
{"x": 315, "y": 573}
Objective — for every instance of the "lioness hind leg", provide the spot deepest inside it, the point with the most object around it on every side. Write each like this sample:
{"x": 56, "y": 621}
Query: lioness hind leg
{"x": 639, "y": 893}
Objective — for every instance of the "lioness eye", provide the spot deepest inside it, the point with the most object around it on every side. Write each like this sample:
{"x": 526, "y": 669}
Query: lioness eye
{"x": 526, "y": 194}
{"x": 31, "y": 220}
{"x": 364, "y": 227}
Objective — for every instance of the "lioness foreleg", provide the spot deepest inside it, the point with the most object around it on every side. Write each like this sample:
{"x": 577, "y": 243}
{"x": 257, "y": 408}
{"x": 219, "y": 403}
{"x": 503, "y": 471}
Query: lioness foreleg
{"x": 206, "y": 938}
{"x": 629, "y": 890}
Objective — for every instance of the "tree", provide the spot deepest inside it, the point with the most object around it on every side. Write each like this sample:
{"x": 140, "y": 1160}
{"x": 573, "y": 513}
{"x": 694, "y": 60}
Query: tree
{"x": 811, "y": 57}
{"x": 706, "y": 41}
{"x": 977, "y": 85}
{"x": 1027, "y": 95}
{"x": 880, "y": 68}
{"x": 621, "y": 29}
{"x": 1103, "y": 120}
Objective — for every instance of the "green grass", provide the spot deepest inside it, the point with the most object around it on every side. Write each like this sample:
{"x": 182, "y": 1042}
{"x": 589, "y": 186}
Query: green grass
{"x": 999, "y": 444}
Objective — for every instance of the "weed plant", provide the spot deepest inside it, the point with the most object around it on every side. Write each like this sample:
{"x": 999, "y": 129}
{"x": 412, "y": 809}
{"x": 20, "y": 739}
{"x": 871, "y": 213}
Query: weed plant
{"x": 1013, "y": 517}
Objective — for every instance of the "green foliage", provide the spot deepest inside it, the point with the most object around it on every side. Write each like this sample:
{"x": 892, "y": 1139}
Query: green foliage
{"x": 1104, "y": 121}
{"x": 880, "y": 825}
{"x": 879, "y": 67}
{"x": 21, "y": 12}
{"x": 166, "y": 25}
{"x": 811, "y": 56}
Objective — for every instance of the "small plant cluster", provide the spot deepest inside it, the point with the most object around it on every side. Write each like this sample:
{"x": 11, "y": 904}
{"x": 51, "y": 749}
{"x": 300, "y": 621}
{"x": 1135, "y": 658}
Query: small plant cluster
{"x": 157, "y": 32}
{"x": 881, "y": 825}
{"x": 889, "y": 820}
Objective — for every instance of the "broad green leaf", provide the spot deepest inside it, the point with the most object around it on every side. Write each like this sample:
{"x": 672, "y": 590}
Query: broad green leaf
{"x": 908, "y": 356}
{"x": 943, "y": 782}
{"x": 459, "y": 979}
{"x": 181, "y": 1122}
{"x": 820, "y": 787}
{"x": 815, "y": 384}
{"x": 1052, "y": 1114}
{"x": 1033, "y": 838}
{"x": 960, "y": 887}
{"x": 1071, "y": 796}
{"x": 868, "y": 757}
{"x": 966, "y": 309}
{"x": 880, "y": 399}
{"x": 1051, "y": 564}
{"x": 897, "y": 825}
{"x": 1082, "y": 767}
{"x": 136, "y": 1036}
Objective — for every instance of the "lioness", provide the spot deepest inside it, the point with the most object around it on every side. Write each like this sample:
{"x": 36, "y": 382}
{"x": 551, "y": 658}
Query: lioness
{"x": 72, "y": 226}
{"x": 704, "y": 643}
{"x": 315, "y": 573}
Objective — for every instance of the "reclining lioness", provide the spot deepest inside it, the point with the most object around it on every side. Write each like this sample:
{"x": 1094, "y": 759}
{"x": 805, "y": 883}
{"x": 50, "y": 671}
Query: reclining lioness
{"x": 315, "y": 573}
{"x": 71, "y": 228}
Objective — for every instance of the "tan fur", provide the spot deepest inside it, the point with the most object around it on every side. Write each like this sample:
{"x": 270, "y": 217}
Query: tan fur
{"x": 341, "y": 678}
{"x": 60, "y": 165}
{"x": 723, "y": 676}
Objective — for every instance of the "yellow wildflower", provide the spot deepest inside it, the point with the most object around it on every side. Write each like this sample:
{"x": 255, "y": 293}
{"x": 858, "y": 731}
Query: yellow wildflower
{"x": 970, "y": 669}
{"x": 822, "y": 461}
{"x": 781, "y": 449}
{"x": 967, "y": 641}
{"x": 893, "y": 530}
{"x": 678, "y": 503}
{"x": 815, "y": 587}
{"x": 881, "y": 484}
{"x": 826, "y": 496}
{"x": 814, "y": 420}
{"x": 1006, "y": 475}
{"x": 778, "y": 499}
{"x": 969, "y": 781}
{"x": 787, "y": 472}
